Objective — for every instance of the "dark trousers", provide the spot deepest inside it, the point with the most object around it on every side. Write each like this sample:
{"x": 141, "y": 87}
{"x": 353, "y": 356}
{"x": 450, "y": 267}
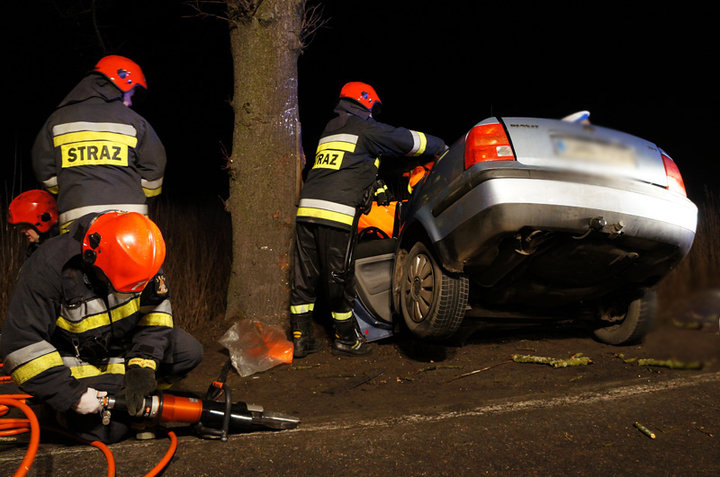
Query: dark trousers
{"x": 320, "y": 259}
{"x": 183, "y": 354}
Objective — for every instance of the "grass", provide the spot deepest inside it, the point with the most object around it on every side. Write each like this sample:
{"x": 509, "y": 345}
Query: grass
{"x": 199, "y": 255}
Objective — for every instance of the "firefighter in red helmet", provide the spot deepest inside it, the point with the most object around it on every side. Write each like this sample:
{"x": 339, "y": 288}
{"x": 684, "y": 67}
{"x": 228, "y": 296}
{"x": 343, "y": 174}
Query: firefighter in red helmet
{"x": 94, "y": 152}
{"x": 91, "y": 315}
{"x": 34, "y": 214}
{"x": 340, "y": 182}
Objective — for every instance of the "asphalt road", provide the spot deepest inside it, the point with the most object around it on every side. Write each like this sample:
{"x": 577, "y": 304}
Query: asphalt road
{"x": 461, "y": 410}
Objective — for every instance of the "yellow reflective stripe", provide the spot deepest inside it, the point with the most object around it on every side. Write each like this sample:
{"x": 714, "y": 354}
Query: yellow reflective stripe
{"x": 341, "y": 316}
{"x": 419, "y": 143}
{"x": 423, "y": 144}
{"x": 300, "y": 309}
{"x": 377, "y": 163}
{"x": 80, "y": 136}
{"x": 37, "y": 366}
{"x": 27, "y": 354}
{"x": 337, "y": 145}
{"x": 128, "y": 309}
{"x": 101, "y": 319}
{"x": 326, "y": 214}
{"x": 151, "y": 188}
{"x": 88, "y": 323}
{"x": 156, "y": 319}
{"x": 65, "y": 228}
{"x": 143, "y": 363}
{"x": 152, "y": 192}
{"x": 89, "y": 371}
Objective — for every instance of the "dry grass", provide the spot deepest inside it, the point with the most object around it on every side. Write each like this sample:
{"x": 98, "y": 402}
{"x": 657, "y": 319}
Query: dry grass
{"x": 12, "y": 255}
{"x": 701, "y": 268}
{"x": 199, "y": 255}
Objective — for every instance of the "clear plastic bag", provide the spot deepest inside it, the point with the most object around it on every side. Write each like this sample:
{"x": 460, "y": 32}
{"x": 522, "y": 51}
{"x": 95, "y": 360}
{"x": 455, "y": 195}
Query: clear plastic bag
{"x": 256, "y": 347}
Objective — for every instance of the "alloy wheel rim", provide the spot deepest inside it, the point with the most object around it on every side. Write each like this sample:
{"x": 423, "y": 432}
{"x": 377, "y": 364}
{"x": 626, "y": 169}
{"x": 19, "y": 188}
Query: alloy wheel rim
{"x": 419, "y": 288}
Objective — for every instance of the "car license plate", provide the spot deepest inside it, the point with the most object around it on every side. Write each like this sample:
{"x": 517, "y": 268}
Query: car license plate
{"x": 594, "y": 151}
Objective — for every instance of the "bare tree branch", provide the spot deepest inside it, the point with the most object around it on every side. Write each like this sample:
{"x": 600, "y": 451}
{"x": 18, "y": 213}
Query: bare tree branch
{"x": 312, "y": 21}
{"x": 96, "y": 28}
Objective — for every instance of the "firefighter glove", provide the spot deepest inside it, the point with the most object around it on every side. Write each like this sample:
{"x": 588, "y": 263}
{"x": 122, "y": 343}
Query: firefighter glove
{"x": 139, "y": 382}
{"x": 89, "y": 402}
{"x": 382, "y": 195}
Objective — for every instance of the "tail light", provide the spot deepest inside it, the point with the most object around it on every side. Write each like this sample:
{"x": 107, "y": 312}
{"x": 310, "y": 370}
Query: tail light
{"x": 487, "y": 142}
{"x": 675, "y": 180}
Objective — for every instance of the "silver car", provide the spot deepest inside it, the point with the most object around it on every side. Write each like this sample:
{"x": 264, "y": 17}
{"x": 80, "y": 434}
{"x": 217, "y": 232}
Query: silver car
{"x": 528, "y": 218}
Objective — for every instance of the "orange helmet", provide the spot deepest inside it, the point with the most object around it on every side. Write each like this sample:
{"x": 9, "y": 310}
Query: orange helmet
{"x": 124, "y": 72}
{"x": 127, "y": 247}
{"x": 362, "y": 93}
{"x": 34, "y": 207}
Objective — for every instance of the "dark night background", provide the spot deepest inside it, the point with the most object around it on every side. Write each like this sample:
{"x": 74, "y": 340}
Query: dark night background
{"x": 439, "y": 67}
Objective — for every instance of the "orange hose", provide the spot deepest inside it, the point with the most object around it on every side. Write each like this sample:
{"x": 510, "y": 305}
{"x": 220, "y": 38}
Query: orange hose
{"x": 18, "y": 426}
{"x": 7, "y": 401}
{"x": 166, "y": 458}
{"x": 108, "y": 456}
{"x": 97, "y": 444}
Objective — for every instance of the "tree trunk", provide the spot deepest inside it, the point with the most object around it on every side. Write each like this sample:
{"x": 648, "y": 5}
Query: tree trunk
{"x": 266, "y": 155}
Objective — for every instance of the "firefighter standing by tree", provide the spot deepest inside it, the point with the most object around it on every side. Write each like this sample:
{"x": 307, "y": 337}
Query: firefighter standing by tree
{"x": 91, "y": 315}
{"x": 94, "y": 152}
{"x": 333, "y": 196}
{"x": 34, "y": 214}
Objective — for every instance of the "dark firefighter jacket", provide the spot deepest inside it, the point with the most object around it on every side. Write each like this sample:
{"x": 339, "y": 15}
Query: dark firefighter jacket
{"x": 347, "y": 159}
{"x": 65, "y": 332}
{"x": 94, "y": 152}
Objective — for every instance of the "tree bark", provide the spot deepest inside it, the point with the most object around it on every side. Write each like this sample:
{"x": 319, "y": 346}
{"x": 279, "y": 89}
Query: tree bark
{"x": 266, "y": 155}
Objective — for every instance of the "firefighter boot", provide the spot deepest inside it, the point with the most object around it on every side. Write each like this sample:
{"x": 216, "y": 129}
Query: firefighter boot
{"x": 303, "y": 341}
{"x": 348, "y": 340}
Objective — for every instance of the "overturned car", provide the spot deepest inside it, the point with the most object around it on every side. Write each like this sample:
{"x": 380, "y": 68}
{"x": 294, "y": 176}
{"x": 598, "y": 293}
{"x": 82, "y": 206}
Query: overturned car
{"x": 528, "y": 219}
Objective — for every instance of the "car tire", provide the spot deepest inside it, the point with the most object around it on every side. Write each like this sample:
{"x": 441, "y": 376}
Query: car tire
{"x": 432, "y": 301}
{"x": 637, "y": 322}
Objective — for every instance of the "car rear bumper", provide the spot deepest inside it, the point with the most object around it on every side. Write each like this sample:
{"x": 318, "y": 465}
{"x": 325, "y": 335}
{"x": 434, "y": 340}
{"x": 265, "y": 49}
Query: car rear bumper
{"x": 465, "y": 229}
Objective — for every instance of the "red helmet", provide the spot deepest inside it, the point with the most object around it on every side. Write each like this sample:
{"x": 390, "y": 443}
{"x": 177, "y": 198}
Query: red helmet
{"x": 362, "y": 93}
{"x": 124, "y": 72}
{"x": 34, "y": 207}
{"x": 127, "y": 247}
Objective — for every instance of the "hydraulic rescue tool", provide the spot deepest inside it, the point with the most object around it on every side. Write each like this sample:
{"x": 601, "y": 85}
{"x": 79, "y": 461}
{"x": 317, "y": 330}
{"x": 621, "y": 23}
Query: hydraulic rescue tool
{"x": 211, "y": 418}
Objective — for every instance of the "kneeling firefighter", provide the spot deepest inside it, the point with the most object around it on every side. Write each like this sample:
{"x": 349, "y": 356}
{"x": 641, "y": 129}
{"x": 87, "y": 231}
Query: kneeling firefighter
{"x": 341, "y": 181}
{"x": 91, "y": 315}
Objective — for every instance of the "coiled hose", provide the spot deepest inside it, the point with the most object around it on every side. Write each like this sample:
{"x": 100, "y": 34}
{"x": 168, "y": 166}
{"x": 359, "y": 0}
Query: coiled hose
{"x": 16, "y": 426}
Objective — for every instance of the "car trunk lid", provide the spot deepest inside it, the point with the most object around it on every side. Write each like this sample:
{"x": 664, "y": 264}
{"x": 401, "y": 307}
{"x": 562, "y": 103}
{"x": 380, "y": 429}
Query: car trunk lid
{"x": 585, "y": 148}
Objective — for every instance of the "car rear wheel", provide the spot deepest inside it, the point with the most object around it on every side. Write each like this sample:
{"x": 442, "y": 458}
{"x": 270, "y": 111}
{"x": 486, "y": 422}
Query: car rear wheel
{"x": 633, "y": 325}
{"x": 432, "y": 301}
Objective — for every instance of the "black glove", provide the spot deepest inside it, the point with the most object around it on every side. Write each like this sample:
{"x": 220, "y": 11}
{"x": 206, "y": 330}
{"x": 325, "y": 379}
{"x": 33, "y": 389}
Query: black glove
{"x": 382, "y": 195}
{"x": 139, "y": 382}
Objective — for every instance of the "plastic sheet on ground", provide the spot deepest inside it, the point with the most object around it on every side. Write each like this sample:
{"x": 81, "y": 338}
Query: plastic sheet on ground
{"x": 255, "y": 347}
